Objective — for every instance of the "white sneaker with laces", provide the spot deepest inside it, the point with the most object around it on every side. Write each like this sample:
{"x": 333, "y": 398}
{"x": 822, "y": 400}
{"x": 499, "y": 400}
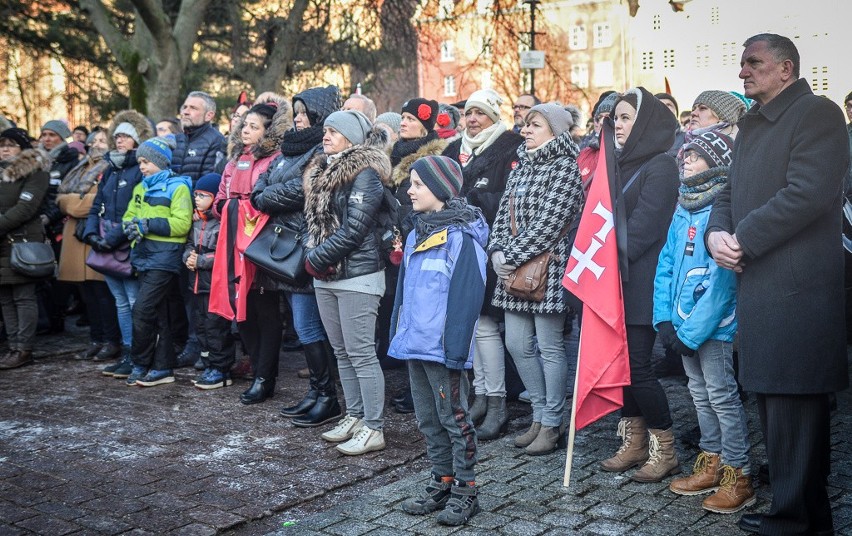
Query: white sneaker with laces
{"x": 345, "y": 429}
{"x": 365, "y": 440}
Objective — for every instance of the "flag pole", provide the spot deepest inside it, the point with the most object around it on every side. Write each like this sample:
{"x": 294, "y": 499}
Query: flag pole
{"x": 572, "y": 427}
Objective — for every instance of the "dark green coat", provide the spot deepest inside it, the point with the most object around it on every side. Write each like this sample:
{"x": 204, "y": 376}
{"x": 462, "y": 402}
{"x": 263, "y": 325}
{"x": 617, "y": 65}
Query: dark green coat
{"x": 23, "y": 185}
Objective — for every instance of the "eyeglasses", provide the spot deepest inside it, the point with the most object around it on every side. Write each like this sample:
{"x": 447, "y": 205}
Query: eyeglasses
{"x": 8, "y": 145}
{"x": 691, "y": 157}
{"x": 519, "y": 107}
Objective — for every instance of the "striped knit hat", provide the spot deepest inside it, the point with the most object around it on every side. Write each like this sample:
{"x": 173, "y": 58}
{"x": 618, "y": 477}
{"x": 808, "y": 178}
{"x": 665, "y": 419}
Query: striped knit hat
{"x": 158, "y": 151}
{"x": 442, "y": 175}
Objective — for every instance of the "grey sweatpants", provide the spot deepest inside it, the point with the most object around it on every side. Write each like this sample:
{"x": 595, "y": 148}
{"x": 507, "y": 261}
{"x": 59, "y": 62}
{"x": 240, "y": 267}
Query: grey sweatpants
{"x": 440, "y": 404}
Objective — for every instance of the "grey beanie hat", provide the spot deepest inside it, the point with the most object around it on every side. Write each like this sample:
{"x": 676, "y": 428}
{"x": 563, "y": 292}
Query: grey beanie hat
{"x": 391, "y": 119}
{"x": 559, "y": 119}
{"x": 128, "y": 130}
{"x": 727, "y": 107}
{"x": 61, "y": 129}
{"x": 351, "y": 123}
{"x": 607, "y": 105}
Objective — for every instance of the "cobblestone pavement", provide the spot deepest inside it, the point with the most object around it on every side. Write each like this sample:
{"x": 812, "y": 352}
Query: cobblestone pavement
{"x": 83, "y": 454}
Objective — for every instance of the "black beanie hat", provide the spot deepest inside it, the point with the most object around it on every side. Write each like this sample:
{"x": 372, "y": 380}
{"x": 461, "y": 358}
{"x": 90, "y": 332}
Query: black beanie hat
{"x": 425, "y": 110}
{"x": 19, "y": 136}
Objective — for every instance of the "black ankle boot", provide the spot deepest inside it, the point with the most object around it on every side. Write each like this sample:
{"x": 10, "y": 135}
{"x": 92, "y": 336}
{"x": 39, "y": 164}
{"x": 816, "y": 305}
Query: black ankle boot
{"x": 303, "y": 406}
{"x": 259, "y": 391}
{"x": 406, "y": 405}
{"x": 326, "y": 409}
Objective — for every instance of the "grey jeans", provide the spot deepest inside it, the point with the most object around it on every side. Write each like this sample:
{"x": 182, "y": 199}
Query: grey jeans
{"x": 545, "y": 379}
{"x": 20, "y": 314}
{"x": 349, "y": 318}
{"x": 440, "y": 404}
{"x": 489, "y": 367}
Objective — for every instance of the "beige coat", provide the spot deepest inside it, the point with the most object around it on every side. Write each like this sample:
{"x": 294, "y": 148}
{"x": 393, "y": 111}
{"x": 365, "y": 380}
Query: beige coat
{"x": 72, "y": 260}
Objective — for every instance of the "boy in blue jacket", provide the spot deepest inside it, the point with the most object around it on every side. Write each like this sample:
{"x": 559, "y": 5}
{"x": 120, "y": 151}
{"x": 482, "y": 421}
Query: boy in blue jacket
{"x": 694, "y": 312}
{"x": 439, "y": 294}
{"x": 157, "y": 220}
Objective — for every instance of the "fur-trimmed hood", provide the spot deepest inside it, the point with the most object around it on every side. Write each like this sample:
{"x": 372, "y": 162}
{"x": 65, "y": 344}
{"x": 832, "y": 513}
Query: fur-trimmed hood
{"x": 138, "y": 121}
{"x": 25, "y": 164}
{"x": 403, "y": 170}
{"x": 343, "y": 167}
{"x": 282, "y": 121}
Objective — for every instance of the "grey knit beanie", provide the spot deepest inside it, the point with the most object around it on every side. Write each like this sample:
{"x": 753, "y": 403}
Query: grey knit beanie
{"x": 556, "y": 116}
{"x": 391, "y": 119}
{"x": 351, "y": 123}
{"x": 128, "y": 130}
{"x": 60, "y": 127}
{"x": 727, "y": 107}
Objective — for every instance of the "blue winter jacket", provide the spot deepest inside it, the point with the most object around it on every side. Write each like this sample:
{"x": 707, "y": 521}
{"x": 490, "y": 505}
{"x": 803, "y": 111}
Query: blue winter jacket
{"x": 439, "y": 294}
{"x": 691, "y": 291}
{"x": 114, "y": 194}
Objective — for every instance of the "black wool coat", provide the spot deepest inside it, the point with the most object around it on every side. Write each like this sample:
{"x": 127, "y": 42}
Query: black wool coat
{"x": 783, "y": 203}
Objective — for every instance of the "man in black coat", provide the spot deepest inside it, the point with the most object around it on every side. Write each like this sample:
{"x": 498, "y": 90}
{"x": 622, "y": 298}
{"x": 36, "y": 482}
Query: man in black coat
{"x": 199, "y": 148}
{"x": 777, "y": 224}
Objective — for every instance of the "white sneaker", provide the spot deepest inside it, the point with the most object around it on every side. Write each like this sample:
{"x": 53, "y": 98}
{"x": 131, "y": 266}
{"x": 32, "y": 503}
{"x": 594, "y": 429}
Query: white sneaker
{"x": 345, "y": 429}
{"x": 365, "y": 440}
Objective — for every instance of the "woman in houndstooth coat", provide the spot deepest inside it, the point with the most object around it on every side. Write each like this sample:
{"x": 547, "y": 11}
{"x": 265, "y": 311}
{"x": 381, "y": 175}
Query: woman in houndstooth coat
{"x": 545, "y": 193}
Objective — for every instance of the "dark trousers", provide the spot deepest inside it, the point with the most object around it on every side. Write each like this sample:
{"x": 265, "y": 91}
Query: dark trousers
{"x": 261, "y": 332}
{"x": 152, "y": 321}
{"x": 798, "y": 447}
{"x": 103, "y": 317}
{"x": 215, "y": 340}
{"x": 645, "y": 396}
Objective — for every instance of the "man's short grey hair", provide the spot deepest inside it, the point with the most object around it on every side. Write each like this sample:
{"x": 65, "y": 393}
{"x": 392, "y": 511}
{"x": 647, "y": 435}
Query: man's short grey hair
{"x": 369, "y": 106}
{"x": 209, "y": 103}
{"x": 781, "y": 47}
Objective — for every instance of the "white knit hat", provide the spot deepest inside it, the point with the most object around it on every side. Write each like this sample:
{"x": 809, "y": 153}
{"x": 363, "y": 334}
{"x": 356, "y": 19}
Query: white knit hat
{"x": 486, "y": 100}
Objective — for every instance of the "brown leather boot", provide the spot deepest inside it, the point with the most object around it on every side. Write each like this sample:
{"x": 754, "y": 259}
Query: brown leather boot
{"x": 525, "y": 440}
{"x": 17, "y": 358}
{"x": 706, "y": 476}
{"x": 662, "y": 459}
{"x": 634, "y": 446}
{"x": 735, "y": 492}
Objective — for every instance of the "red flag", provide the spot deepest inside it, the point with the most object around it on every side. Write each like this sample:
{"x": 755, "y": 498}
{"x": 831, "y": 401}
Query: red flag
{"x": 592, "y": 275}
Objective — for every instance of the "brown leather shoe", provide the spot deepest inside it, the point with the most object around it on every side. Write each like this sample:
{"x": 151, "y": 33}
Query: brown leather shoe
{"x": 17, "y": 358}
{"x": 735, "y": 492}
{"x": 706, "y": 476}
{"x": 634, "y": 446}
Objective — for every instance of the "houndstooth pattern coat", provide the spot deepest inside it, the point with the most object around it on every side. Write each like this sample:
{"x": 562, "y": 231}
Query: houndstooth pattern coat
{"x": 549, "y": 194}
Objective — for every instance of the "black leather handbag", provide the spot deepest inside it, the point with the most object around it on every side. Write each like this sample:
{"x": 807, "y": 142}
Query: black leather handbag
{"x": 278, "y": 251}
{"x": 32, "y": 259}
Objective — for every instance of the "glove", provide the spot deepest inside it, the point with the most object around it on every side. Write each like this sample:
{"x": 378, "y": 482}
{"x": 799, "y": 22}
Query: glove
{"x": 316, "y": 274}
{"x": 498, "y": 261}
{"x": 682, "y": 349}
{"x": 136, "y": 228}
{"x": 667, "y": 333}
{"x": 98, "y": 243}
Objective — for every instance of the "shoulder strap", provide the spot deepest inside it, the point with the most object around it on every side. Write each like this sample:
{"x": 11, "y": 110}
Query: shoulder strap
{"x": 633, "y": 178}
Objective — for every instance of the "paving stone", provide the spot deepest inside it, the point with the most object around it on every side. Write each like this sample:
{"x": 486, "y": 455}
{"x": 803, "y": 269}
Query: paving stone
{"x": 103, "y": 524}
{"x": 617, "y": 512}
{"x": 606, "y": 527}
{"x": 489, "y": 520}
{"x": 350, "y": 527}
{"x": 46, "y": 524}
{"x": 523, "y": 527}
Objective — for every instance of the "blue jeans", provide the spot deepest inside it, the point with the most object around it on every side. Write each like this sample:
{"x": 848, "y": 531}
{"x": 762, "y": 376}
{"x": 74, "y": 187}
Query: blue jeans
{"x": 124, "y": 291}
{"x": 306, "y": 317}
{"x": 721, "y": 416}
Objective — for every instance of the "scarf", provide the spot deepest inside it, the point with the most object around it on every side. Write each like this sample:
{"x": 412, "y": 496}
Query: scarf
{"x": 700, "y": 190}
{"x": 472, "y": 146}
{"x": 84, "y": 175}
{"x": 299, "y": 142}
{"x": 403, "y": 148}
{"x": 456, "y": 212}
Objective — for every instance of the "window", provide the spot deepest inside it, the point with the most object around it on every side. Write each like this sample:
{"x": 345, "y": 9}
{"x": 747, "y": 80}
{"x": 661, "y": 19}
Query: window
{"x": 603, "y": 35}
{"x": 668, "y": 58}
{"x": 819, "y": 79}
{"x": 702, "y": 56}
{"x": 714, "y": 15}
{"x": 449, "y": 86}
{"x": 730, "y": 53}
{"x": 604, "y": 76}
{"x": 648, "y": 60}
{"x": 656, "y": 22}
{"x": 580, "y": 75}
{"x": 448, "y": 51}
{"x": 577, "y": 38}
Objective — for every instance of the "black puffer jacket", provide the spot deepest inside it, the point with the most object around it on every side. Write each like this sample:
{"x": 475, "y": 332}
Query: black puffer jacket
{"x": 198, "y": 152}
{"x": 282, "y": 181}
{"x": 649, "y": 203}
{"x": 341, "y": 197}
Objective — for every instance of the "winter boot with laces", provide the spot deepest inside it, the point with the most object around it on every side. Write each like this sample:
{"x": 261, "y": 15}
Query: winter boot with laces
{"x": 433, "y": 499}
{"x": 705, "y": 478}
{"x": 462, "y": 505}
{"x": 735, "y": 492}
{"x": 662, "y": 459}
{"x": 634, "y": 446}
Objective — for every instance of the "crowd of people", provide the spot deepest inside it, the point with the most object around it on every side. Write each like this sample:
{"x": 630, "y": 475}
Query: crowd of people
{"x": 414, "y": 225}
